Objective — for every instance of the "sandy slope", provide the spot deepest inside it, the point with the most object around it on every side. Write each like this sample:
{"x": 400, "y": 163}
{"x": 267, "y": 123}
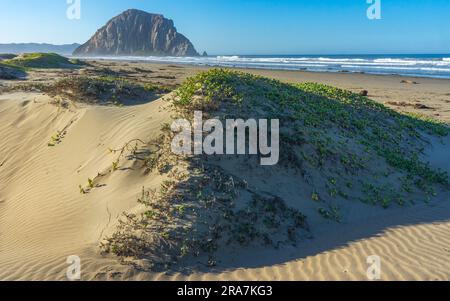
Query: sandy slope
{"x": 44, "y": 219}
{"x": 43, "y": 216}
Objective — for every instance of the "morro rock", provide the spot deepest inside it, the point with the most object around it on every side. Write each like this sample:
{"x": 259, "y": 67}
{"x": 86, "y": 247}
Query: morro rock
{"x": 139, "y": 33}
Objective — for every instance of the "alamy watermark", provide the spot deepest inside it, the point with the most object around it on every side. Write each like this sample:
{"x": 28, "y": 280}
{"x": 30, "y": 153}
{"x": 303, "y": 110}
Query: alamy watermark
{"x": 374, "y": 10}
{"x": 234, "y": 133}
{"x": 73, "y": 11}
{"x": 374, "y": 270}
{"x": 73, "y": 272}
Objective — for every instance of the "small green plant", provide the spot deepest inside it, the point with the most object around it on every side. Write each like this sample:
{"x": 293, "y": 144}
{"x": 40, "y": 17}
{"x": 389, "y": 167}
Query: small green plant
{"x": 151, "y": 214}
{"x": 333, "y": 213}
{"x": 333, "y": 192}
{"x": 181, "y": 209}
{"x": 91, "y": 184}
{"x": 129, "y": 149}
{"x": 56, "y": 139}
{"x": 315, "y": 197}
{"x": 386, "y": 202}
{"x": 184, "y": 250}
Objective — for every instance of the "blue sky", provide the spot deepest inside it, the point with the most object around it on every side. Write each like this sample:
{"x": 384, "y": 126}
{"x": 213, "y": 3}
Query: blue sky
{"x": 250, "y": 26}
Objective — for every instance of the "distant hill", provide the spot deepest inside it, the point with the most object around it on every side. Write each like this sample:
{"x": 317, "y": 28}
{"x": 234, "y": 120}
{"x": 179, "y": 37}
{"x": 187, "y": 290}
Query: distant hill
{"x": 40, "y": 61}
{"x": 135, "y": 32}
{"x": 18, "y": 48}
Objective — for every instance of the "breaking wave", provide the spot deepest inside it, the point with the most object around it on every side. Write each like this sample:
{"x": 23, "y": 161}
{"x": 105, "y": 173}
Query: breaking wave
{"x": 421, "y": 65}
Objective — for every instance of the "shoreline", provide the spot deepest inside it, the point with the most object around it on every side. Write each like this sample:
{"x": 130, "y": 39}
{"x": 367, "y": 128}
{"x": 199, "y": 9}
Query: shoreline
{"x": 413, "y": 66}
{"x": 265, "y": 70}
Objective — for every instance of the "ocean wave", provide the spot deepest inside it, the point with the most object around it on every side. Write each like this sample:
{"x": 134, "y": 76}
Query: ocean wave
{"x": 420, "y": 66}
{"x": 331, "y": 61}
{"x": 325, "y": 59}
{"x": 228, "y": 58}
{"x": 442, "y": 62}
{"x": 432, "y": 69}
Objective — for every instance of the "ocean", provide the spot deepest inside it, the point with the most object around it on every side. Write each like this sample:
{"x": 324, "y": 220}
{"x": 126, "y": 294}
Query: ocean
{"x": 422, "y": 65}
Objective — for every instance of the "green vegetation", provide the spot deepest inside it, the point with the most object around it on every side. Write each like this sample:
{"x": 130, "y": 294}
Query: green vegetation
{"x": 335, "y": 125}
{"x": 91, "y": 183}
{"x": 7, "y": 56}
{"x": 332, "y": 213}
{"x": 194, "y": 212}
{"x": 82, "y": 190}
{"x": 56, "y": 139}
{"x": 6, "y": 65}
{"x": 77, "y": 62}
{"x": 343, "y": 146}
{"x": 11, "y": 72}
{"x": 40, "y": 61}
{"x": 129, "y": 150}
{"x": 106, "y": 90}
{"x": 88, "y": 188}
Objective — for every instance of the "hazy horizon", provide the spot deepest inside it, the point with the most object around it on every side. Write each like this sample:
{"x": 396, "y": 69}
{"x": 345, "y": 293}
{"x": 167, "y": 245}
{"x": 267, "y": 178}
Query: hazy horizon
{"x": 273, "y": 54}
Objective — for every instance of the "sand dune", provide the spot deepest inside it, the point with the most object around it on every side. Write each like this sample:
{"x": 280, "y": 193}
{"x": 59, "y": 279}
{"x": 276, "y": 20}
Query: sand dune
{"x": 44, "y": 218}
{"x": 43, "y": 215}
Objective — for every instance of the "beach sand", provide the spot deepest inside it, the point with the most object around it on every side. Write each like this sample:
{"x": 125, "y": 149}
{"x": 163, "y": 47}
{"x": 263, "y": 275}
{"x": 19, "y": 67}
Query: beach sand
{"x": 44, "y": 218}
